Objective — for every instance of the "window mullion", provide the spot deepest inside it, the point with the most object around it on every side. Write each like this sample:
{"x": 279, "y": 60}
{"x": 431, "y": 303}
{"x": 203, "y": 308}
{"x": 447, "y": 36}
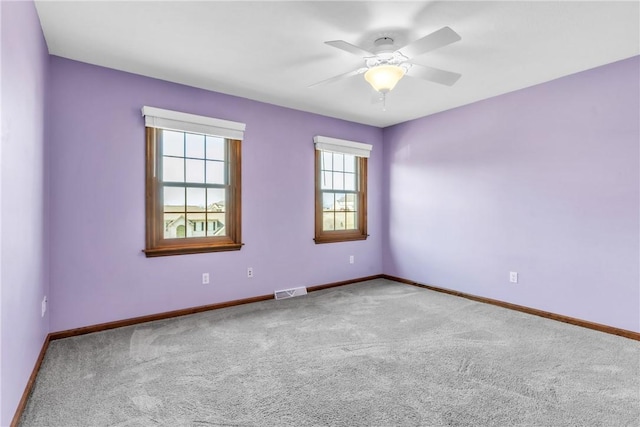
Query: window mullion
{"x": 193, "y": 184}
{"x": 184, "y": 179}
{"x": 206, "y": 193}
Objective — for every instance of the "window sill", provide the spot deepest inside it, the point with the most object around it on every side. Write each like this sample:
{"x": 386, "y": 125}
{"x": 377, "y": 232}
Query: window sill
{"x": 190, "y": 249}
{"x": 339, "y": 238}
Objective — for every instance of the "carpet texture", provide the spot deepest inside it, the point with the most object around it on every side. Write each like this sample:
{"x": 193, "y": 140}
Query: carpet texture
{"x": 377, "y": 353}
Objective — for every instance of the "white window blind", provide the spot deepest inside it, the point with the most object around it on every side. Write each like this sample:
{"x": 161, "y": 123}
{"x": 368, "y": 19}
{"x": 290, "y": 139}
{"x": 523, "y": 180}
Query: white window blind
{"x": 342, "y": 146}
{"x": 184, "y": 122}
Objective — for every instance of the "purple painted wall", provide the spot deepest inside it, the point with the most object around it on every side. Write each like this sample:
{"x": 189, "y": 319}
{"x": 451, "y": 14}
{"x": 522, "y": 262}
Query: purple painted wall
{"x": 543, "y": 181}
{"x": 98, "y": 272}
{"x": 23, "y": 200}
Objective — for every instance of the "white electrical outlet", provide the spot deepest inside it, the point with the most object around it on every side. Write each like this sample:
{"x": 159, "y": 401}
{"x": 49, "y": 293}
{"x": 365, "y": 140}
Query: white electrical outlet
{"x": 205, "y": 278}
{"x": 513, "y": 277}
{"x": 44, "y": 306}
{"x": 250, "y": 272}
{"x": 351, "y": 259}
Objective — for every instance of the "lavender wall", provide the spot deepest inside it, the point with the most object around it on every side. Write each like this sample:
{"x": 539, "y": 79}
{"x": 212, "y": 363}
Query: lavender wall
{"x": 543, "y": 181}
{"x": 98, "y": 272}
{"x": 23, "y": 200}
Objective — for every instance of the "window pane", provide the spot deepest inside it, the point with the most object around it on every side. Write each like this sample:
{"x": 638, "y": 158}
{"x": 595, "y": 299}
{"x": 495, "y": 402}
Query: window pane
{"x": 215, "y": 148}
{"x": 327, "y": 181}
{"x": 193, "y": 225}
{"x": 338, "y": 162}
{"x": 215, "y": 172}
{"x": 349, "y": 163}
{"x": 328, "y": 221}
{"x": 351, "y": 221}
{"x": 196, "y": 200}
{"x": 327, "y": 201}
{"x": 195, "y": 146}
{"x": 350, "y": 181}
{"x": 338, "y": 181}
{"x": 327, "y": 160}
{"x": 173, "y": 169}
{"x": 340, "y": 202}
{"x": 195, "y": 171}
{"x": 215, "y": 224}
{"x": 196, "y": 224}
{"x": 341, "y": 221}
{"x": 172, "y": 143}
{"x": 351, "y": 202}
{"x": 174, "y": 225}
{"x": 174, "y": 198}
{"x": 216, "y": 200}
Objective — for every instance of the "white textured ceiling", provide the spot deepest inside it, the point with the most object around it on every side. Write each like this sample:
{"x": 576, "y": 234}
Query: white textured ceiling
{"x": 272, "y": 51}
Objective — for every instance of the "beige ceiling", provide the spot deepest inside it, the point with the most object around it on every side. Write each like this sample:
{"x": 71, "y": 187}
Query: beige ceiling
{"x": 271, "y": 51}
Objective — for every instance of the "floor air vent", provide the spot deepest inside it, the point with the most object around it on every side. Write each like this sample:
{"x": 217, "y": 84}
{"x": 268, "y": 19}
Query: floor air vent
{"x": 290, "y": 293}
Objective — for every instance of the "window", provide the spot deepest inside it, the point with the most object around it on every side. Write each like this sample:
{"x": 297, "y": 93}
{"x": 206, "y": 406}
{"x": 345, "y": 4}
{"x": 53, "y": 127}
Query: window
{"x": 193, "y": 183}
{"x": 341, "y": 190}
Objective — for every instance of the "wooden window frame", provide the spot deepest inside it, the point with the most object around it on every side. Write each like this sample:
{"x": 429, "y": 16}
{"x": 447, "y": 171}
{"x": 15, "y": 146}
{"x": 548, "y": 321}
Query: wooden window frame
{"x": 334, "y": 236}
{"x": 156, "y": 244}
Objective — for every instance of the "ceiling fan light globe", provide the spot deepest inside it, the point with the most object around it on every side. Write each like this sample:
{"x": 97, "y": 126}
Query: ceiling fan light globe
{"x": 384, "y": 78}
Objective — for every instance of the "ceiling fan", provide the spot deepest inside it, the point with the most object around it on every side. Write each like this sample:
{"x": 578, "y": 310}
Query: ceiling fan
{"x": 386, "y": 65}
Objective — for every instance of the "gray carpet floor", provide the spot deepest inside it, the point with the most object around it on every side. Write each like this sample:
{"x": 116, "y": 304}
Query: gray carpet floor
{"x": 377, "y": 353}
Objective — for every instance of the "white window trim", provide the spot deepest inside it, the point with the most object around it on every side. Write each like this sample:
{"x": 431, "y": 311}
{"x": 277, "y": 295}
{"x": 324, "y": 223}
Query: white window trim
{"x": 185, "y": 122}
{"x": 343, "y": 146}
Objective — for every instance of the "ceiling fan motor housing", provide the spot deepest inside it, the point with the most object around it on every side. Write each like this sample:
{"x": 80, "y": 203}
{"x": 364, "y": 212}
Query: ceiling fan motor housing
{"x": 384, "y": 47}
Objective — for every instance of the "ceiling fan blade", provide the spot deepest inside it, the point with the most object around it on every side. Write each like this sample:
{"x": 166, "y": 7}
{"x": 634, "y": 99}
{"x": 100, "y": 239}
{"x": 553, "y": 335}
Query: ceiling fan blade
{"x": 339, "y": 77}
{"x": 435, "y": 40}
{"x": 348, "y": 47}
{"x": 448, "y": 78}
